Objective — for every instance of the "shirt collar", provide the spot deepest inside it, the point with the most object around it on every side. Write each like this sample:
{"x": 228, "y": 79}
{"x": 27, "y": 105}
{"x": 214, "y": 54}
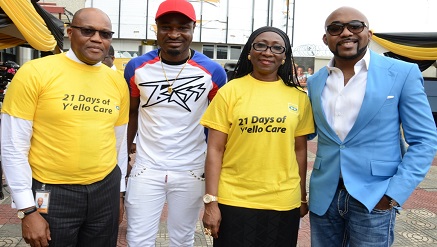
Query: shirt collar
{"x": 71, "y": 55}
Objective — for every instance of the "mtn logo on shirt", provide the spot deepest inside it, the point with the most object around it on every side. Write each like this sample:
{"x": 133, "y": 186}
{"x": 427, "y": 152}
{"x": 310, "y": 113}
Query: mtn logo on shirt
{"x": 292, "y": 107}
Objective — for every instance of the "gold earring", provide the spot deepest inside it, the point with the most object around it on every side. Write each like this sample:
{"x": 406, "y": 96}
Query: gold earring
{"x": 283, "y": 61}
{"x": 248, "y": 56}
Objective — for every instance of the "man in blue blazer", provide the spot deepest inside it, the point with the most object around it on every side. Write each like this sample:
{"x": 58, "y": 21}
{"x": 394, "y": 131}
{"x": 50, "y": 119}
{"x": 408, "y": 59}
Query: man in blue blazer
{"x": 360, "y": 100}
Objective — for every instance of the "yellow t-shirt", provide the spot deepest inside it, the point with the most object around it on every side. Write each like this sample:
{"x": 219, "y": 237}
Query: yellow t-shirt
{"x": 74, "y": 109}
{"x": 261, "y": 120}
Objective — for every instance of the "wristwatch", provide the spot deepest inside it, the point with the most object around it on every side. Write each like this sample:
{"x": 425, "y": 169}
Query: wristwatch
{"x": 207, "y": 198}
{"x": 21, "y": 213}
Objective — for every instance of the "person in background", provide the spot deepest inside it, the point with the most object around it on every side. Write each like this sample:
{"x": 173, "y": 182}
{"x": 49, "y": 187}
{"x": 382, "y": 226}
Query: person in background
{"x": 301, "y": 77}
{"x": 310, "y": 71}
{"x": 170, "y": 90}
{"x": 359, "y": 100}
{"x": 62, "y": 134}
{"x": 256, "y": 161}
{"x": 109, "y": 58}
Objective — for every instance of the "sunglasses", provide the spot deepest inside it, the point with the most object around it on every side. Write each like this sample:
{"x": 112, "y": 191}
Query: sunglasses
{"x": 276, "y": 49}
{"x": 89, "y": 32}
{"x": 354, "y": 27}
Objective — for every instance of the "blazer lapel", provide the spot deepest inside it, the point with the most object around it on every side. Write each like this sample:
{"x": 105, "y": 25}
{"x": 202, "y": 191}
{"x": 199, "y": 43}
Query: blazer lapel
{"x": 380, "y": 81}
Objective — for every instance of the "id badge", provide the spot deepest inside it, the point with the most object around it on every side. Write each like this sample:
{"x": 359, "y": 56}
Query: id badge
{"x": 42, "y": 201}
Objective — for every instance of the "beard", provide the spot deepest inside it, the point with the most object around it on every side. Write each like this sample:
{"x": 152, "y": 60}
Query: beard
{"x": 173, "y": 53}
{"x": 351, "y": 57}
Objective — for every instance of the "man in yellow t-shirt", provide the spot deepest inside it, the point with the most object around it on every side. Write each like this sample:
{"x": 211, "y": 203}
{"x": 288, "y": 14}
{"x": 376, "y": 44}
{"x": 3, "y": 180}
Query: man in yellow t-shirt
{"x": 63, "y": 123}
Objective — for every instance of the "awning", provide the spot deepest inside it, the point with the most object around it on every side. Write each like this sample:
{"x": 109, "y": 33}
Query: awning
{"x": 420, "y": 48}
{"x": 21, "y": 23}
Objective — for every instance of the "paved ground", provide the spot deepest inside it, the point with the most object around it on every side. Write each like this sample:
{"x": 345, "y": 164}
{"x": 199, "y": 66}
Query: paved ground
{"x": 415, "y": 226}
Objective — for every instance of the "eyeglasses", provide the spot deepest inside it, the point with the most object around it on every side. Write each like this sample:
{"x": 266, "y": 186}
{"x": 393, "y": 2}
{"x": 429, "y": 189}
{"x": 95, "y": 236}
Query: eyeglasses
{"x": 89, "y": 32}
{"x": 354, "y": 27}
{"x": 276, "y": 49}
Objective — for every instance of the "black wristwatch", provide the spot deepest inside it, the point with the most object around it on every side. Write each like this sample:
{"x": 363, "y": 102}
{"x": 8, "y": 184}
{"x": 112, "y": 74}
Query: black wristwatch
{"x": 21, "y": 213}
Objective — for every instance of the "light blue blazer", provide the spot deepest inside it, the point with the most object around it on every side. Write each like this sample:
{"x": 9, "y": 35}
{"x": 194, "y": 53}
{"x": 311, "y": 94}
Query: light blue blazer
{"x": 370, "y": 158}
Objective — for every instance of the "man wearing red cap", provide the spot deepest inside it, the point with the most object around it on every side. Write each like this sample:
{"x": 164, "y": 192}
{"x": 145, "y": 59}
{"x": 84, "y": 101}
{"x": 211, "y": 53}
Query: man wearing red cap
{"x": 170, "y": 89}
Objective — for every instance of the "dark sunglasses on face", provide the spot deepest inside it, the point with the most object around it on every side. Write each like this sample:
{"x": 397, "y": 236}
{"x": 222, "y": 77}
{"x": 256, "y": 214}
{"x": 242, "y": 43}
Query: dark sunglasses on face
{"x": 337, "y": 28}
{"x": 276, "y": 49}
{"x": 89, "y": 32}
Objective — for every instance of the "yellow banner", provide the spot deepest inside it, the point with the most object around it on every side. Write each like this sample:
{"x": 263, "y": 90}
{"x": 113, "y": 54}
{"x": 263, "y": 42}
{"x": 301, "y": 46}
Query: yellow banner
{"x": 416, "y": 53}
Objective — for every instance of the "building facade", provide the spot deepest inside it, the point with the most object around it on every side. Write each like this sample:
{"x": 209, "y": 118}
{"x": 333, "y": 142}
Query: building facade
{"x": 222, "y": 27}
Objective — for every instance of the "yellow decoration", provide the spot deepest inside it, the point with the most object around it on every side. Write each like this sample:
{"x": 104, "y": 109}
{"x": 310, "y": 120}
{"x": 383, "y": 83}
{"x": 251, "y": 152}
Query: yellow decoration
{"x": 29, "y": 23}
{"x": 416, "y": 53}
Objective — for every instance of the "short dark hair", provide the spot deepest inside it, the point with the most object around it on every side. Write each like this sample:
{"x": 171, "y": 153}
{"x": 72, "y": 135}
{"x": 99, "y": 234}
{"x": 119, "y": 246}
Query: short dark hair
{"x": 111, "y": 51}
{"x": 244, "y": 66}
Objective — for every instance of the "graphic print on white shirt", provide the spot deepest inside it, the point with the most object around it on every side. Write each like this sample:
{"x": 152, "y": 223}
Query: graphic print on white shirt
{"x": 187, "y": 88}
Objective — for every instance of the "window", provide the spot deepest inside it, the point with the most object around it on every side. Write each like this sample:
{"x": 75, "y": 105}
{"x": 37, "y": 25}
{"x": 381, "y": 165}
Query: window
{"x": 235, "y": 52}
{"x": 222, "y": 52}
{"x": 208, "y": 50}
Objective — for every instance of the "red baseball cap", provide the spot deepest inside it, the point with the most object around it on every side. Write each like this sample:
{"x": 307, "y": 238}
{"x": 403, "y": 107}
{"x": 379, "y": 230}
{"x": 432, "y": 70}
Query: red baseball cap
{"x": 176, "y": 6}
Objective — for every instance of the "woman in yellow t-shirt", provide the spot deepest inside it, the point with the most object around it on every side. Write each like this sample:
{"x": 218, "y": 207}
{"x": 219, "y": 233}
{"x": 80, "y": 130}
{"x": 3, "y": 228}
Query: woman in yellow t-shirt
{"x": 257, "y": 148}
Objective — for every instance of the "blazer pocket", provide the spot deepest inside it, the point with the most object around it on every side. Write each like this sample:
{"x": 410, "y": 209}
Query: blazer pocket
{"x": 390, "y": 100}
{"x": 384, "y": 168}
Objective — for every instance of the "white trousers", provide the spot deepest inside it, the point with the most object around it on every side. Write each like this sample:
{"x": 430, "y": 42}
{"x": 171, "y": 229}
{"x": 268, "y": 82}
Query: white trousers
{"x": 146, "y": 193}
